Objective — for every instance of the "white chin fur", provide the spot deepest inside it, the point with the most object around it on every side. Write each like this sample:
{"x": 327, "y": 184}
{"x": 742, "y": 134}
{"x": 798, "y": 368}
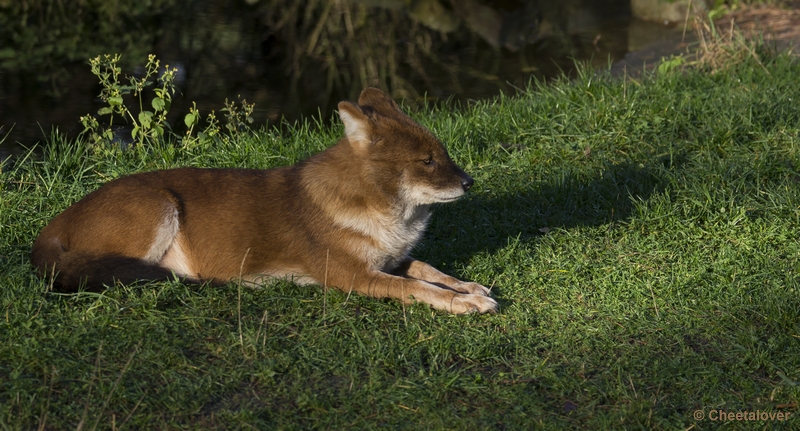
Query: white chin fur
{"x": 421, "y": 195}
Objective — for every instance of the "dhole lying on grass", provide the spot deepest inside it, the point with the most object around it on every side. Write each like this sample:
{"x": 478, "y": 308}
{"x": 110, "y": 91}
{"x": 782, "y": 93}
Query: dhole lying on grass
{"x": 344, "y": 218}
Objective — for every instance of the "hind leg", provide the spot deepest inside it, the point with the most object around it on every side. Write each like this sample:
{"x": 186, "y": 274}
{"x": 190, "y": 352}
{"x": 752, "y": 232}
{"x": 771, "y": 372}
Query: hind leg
{"x": 133, "y": 221}
{"x": 120, "y": 232}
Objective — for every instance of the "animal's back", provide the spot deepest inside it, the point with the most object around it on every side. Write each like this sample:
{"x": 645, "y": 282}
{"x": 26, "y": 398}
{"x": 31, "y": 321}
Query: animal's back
{"x": 128, "y": 225}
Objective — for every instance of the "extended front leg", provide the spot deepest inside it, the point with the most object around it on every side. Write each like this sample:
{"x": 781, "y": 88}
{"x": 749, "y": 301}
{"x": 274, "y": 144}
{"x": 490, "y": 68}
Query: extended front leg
{"x": 382, "y": 285}
{"x": 422, "y": 271}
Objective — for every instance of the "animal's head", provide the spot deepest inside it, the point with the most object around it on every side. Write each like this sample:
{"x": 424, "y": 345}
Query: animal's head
{"x": 401, "y": 155}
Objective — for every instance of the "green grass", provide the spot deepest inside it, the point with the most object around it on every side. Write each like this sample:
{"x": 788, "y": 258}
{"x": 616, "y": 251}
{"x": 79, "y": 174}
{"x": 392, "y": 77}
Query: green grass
{"x": 641, "y": 238}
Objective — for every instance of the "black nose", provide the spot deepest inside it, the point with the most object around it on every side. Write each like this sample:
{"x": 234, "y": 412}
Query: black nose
{"x": 467, "y": 182}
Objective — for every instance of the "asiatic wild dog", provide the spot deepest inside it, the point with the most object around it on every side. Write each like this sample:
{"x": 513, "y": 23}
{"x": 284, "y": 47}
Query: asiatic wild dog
{"x": 344, "y": 218}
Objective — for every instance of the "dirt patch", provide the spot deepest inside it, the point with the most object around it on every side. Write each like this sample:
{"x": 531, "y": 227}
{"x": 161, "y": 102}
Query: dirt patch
{"x": 778, "y": 25}
{"x": 775, "y": 23}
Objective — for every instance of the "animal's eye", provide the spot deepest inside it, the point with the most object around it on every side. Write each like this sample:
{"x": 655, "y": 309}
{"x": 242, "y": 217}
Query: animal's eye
{"x": 428, "y": 161}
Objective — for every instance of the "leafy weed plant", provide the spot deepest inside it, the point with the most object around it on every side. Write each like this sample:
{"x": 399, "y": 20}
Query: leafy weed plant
{"x": 148, "y": 124}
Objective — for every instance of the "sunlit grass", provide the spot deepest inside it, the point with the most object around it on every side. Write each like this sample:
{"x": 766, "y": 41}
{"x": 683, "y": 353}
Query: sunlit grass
{"x": 641, "y": 238}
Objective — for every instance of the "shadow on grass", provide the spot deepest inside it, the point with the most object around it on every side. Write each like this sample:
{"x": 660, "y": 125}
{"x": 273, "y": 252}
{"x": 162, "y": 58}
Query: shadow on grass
{"x": 486, "y": 224}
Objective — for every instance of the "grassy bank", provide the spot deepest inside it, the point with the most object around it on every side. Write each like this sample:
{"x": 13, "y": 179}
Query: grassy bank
{"x": 641, "y": 237}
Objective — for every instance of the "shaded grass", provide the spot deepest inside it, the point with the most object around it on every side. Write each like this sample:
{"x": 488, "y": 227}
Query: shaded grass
{"x": 641, "y": 238}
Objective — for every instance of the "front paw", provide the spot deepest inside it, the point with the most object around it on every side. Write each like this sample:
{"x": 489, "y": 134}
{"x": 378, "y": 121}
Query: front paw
{"x": 463, "y": 304}
{"x": 471, "y": 288}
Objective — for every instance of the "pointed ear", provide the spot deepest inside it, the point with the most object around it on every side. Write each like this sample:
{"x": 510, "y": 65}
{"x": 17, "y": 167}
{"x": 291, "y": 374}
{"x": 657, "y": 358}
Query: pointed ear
{"x": 379, "y": 101}
{"x": 356, "y": 124}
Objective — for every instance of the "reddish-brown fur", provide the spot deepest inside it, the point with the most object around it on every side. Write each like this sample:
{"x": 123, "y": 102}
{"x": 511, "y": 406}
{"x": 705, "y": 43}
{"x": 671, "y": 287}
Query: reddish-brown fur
{"x": 345, "y": 218}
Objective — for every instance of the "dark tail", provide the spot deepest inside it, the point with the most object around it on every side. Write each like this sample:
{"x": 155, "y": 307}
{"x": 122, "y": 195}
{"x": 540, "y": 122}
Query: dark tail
{"x": 70, "y": 271}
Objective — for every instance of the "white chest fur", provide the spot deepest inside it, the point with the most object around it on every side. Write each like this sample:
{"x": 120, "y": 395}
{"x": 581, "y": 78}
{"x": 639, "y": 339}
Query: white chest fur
{"x": 393, "y": 234}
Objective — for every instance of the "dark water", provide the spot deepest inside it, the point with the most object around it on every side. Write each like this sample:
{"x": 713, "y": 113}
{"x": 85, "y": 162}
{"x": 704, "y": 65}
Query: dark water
{"x": 296, "y": 58}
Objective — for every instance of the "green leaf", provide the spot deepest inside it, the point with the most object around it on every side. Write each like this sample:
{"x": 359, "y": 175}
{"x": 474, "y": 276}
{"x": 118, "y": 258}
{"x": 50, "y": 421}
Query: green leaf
{"x": 134, "y": 132}
{"x": 115, "y": 100}
{"x": 145, "y": 119}
{"x": 8, "y": 53}
{"x": 105, "y": 111}
{"x": 668, "y": 65}
{"x": 190, "y": 119}
{"x": 158, "y": 104}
